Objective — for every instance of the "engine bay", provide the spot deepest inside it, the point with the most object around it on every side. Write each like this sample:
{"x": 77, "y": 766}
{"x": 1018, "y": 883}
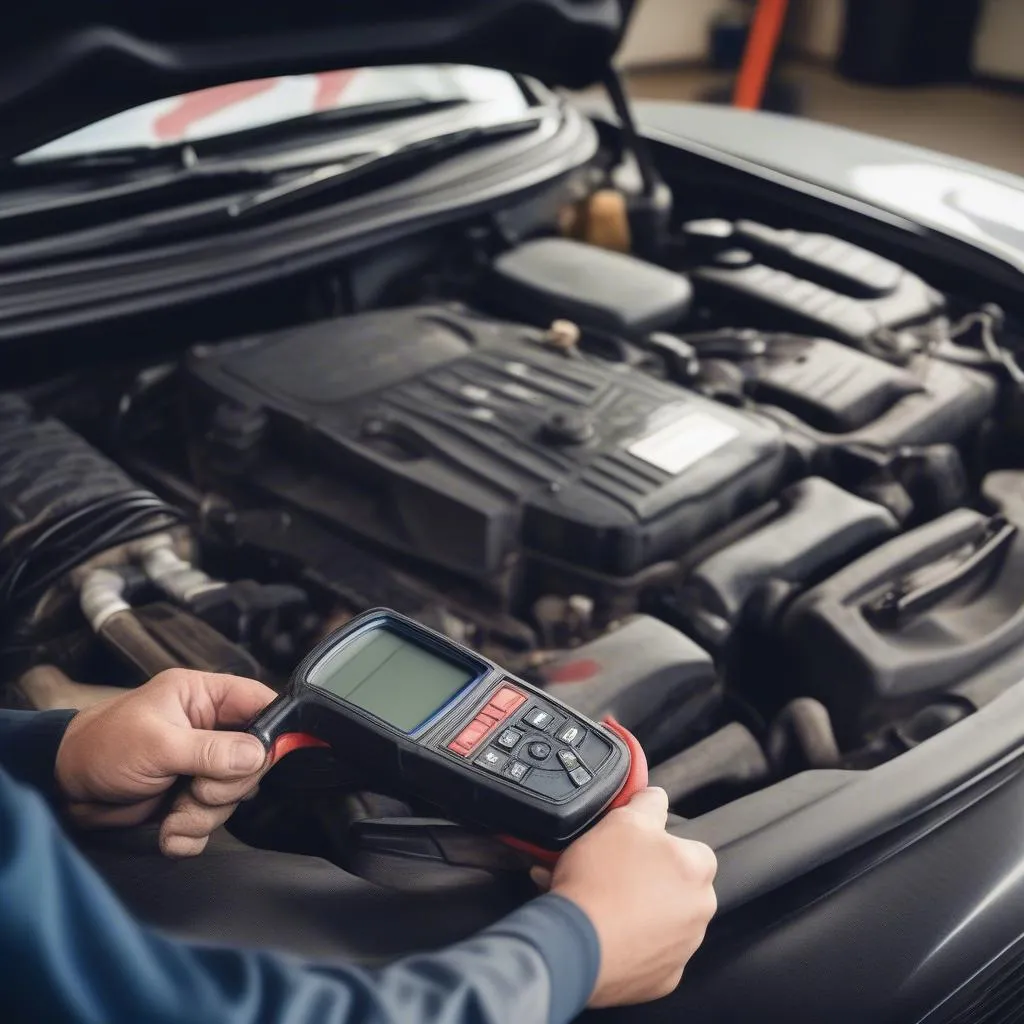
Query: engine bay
{"x": 755, "y": 496}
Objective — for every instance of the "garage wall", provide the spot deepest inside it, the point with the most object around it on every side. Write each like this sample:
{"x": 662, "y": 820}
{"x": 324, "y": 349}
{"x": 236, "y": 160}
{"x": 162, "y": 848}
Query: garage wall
{"x": 815, "y": 28}
{"x": 999, "y": 40}
{"x": 676, "y": 31}
{"x": 668, "y": 32}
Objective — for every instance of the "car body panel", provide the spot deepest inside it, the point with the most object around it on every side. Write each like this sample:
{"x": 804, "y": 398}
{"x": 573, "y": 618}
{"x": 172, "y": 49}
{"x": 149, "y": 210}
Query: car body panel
{"x": 888, "y": 934}
{"x": 820, "y": 816}
{"x": 967, "y": 201}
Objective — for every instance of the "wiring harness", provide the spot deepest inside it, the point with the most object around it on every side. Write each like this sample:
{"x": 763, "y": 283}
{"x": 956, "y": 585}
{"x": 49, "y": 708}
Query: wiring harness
{"x": 37, "y": 557}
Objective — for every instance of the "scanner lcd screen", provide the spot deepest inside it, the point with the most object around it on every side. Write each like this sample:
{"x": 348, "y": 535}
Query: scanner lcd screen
{"x": 385, "y": 674}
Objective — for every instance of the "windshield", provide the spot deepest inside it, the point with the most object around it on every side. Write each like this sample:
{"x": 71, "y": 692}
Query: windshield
{"x": 244, "y": 105}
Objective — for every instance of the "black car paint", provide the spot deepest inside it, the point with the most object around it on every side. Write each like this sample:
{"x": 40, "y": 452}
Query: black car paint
{"x": 886, "y": 934}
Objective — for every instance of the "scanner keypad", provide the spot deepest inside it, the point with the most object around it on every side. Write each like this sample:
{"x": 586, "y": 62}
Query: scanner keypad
{"x": 530, "y": 742}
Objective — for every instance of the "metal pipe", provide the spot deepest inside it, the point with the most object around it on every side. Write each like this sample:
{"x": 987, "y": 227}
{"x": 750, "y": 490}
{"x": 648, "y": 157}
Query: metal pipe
{"x": 650, "y": 179}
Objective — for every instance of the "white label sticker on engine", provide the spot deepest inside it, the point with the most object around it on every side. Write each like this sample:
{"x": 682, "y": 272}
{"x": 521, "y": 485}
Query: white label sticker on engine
{"x": 683, "y": 442}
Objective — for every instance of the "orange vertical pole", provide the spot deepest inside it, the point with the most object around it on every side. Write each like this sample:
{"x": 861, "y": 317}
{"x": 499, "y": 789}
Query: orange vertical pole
{"x": 762, "y": 42}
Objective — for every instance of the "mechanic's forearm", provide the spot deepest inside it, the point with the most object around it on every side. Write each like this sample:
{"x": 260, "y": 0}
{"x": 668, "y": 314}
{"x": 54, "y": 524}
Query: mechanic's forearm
{"x": 537, "y": 965}
{"x": 84, "y": 958}
{"x": 28, "y": 745}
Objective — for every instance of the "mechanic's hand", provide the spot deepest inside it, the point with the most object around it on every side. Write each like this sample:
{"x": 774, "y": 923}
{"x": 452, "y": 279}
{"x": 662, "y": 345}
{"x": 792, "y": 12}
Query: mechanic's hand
{"x": 649, "y": 896}
{"x": 118, "y": 758}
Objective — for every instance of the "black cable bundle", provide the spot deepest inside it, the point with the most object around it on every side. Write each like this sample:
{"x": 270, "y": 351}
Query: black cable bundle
{"x": 62, "y": 502}
{"x": 38, "y": 557}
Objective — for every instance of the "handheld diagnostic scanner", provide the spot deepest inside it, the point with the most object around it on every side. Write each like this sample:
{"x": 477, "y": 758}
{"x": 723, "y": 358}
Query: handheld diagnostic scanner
{"x": 423, "y": 716}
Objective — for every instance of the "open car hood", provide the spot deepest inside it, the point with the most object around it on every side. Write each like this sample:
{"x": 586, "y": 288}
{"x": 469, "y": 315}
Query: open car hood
{"x": 65, "y": 66}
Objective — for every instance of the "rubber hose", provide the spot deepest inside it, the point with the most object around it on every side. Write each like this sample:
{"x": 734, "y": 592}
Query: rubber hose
{"x": 47, "y": 688}
{"x": 124, "y": 634}
{"x": 807, "y": 723}
{"x": 731, "y": 755}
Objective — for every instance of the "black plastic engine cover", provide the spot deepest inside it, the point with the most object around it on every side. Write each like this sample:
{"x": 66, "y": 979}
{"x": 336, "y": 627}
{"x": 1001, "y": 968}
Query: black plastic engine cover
{"x": 651, "y": 678}
{"x": 811, "y": 282}
{"x": 556, "y": 278}
{"x": 814, "y": 527}
{"x": 831, "y": 394}
{"x": 462, "y": 440}
{"x": 830, "y": 387}
{"x": 921, "y": 614}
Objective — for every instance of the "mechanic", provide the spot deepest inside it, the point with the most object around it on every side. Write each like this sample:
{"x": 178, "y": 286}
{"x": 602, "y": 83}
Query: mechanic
{"x": 604, "y": 934}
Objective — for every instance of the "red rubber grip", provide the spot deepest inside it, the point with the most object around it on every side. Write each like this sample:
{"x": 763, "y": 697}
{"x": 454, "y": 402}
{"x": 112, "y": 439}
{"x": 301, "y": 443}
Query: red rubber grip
{"x": 289, "y": 741}
{"x": 636, "y": 780}
{"x": 549, "y": 858}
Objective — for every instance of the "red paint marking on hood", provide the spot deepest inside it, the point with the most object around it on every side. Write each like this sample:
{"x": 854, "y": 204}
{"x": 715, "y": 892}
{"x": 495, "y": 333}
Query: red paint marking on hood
{"x": 572, "y": 671}
{"x": 198, "y": 105}
{"x": 330, "y": 85}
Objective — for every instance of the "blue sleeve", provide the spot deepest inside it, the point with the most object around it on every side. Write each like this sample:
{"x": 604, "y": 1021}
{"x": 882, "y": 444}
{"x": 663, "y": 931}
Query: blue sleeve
{"x": 70, "y": 951}
{"x": 28, "y": 745}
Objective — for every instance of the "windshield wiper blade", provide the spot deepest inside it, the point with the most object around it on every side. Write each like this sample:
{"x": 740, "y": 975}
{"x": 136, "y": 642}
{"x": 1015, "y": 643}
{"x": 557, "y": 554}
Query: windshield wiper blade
{"x": 127, "y": 195}
{"x": 242, "y": 205}
{"x": 305, "y": 186}
{"x": 182, "y": 177}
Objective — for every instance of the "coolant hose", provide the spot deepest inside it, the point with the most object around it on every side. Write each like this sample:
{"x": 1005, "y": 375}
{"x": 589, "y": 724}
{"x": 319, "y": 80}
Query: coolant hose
{"x": 732, "y": 755}
{"x": 176, "y": 577}
{"x": 101, "y": 597}
{"x": 125, "y": 635}
{"x": 47, "y": 688}
{"x": 805, "y": 722}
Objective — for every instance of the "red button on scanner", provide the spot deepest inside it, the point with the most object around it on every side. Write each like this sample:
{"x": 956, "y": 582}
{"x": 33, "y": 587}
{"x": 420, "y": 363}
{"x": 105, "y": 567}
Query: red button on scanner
{"x": 501, "y": 705}
{"x": 470, "y": 736}
{"x": 506, "y": 700}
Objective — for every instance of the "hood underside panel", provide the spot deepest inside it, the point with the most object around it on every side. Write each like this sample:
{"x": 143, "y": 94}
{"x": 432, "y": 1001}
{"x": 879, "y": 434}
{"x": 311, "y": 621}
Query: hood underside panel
{"x": 63, "y": 67}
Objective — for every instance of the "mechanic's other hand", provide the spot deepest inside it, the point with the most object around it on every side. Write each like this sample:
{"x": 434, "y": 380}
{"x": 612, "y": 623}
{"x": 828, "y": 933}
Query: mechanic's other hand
{"x": 119, "y": 758}
{"x": 649, "y": 896}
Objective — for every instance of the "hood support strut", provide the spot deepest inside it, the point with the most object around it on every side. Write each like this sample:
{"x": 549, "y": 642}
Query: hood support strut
{"x": 650, "y": 214}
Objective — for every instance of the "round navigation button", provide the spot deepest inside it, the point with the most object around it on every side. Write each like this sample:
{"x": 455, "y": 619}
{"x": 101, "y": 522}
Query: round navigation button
{"x": 538, "y": 751}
